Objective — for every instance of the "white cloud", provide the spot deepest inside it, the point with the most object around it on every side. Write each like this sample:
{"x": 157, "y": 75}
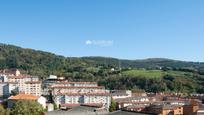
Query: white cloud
{"x": 99, "y": 42}
{"x": 88, "y": 42}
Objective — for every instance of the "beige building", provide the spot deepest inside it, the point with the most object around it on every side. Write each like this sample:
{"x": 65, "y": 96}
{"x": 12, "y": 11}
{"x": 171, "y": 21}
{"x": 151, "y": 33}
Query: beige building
{"x": 165, "y": 109}
{"x": 25, "y": 83}
{"x": 33, "y": 88}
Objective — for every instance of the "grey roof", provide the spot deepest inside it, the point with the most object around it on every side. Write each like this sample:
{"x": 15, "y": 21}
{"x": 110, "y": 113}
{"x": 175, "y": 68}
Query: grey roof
{"x": 83, "y": 110}
{"x": 80, "y": 110}
{"x": 126, "y": 113}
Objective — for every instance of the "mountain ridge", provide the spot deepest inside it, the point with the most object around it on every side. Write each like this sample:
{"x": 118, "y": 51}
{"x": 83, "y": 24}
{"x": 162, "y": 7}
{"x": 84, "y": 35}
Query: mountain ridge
{"x": 145, "y": 59}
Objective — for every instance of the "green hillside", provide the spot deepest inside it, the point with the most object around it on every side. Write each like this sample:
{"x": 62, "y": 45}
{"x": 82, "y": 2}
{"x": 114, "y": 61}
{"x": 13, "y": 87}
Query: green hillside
{"x": 152, "y": 75}
{"x": 144, "y": 73}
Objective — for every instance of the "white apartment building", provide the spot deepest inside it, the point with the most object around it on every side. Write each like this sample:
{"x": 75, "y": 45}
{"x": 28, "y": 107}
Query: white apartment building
{"x": 18, "y": 79}
{"x": 81, "y": 93}
{"x": 120, "y": 94}
{"x": 25, "y": 83}
{"x": 94, "y": 99}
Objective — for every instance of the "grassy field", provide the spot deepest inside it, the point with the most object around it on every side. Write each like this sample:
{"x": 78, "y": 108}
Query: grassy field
{"x": 144, "y": 73}
{"x": 155, "y": 73}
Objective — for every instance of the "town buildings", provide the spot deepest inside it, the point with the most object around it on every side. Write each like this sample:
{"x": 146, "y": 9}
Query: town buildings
{"x": 66, "y": 94}
{"x": 80, "y": 93}
{"x": 13, "y": 81}
{"x": 140, "y": 101}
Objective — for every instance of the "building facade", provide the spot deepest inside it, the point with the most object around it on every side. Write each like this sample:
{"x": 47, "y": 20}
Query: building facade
{"x": 6, "y": 88}
{"x": 81, "y": 93}
{"x": 13, "y": 80}
{"x": 33, "y": 87}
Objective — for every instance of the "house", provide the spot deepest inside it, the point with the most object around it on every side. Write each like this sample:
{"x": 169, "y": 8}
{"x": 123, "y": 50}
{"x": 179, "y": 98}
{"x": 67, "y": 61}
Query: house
{"x": 192, "y": 108}
{"x": 13, "y": 99}
{"x": 164, "y": 109}
{"x": 10, "y": 72}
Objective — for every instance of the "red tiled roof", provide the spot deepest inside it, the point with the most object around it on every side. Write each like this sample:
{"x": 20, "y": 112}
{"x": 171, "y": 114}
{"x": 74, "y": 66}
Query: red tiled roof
{"x": 79, "y": 82}
{"x": 129, "y": 102}
{"x": 23, "y": 97}
{"x": 72, "y": 87}
{"x": 8, "y": 71}
{"x": 86, "y": 94}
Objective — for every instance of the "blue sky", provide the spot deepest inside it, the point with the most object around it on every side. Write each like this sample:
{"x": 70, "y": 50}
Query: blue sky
{"x": 130, "y": 29}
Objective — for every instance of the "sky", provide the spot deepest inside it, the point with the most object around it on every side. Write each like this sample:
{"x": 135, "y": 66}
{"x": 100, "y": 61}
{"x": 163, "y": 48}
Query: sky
{"x": 126, "y": 29}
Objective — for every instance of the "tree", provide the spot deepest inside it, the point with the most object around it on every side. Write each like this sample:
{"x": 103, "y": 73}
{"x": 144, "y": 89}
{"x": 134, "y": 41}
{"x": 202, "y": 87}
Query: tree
{"x": 14, "y": 92}
{"x": 112, "y": 106}
{"x": 24, "y": 107}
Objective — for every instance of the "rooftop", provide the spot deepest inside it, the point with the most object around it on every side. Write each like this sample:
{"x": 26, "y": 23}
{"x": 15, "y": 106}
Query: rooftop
{"x": 85, "y": 94}
{"x": 23, "y": 97}
{"x": 125, "y": 113}
{"x": 66, "y": 82}
{"x": 20, "y": 76}
{"x": 71, "y": 87}
{"x": 79, "y": 110}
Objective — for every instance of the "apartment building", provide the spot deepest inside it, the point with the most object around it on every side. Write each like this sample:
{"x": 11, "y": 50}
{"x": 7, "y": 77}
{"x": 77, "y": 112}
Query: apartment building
{"x": 133, "y": 101}
{"x": 81, "y": 93}
{"x": 33, "y": 88}
{"x": 24, "y": 83}
{"x": 119, "y": 94}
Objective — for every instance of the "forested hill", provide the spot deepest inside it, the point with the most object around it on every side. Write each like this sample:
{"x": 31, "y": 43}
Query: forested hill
{"x": 40, "y": 62}
{"x": 151, "y": 63}
{"x": 152, "y": 75}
